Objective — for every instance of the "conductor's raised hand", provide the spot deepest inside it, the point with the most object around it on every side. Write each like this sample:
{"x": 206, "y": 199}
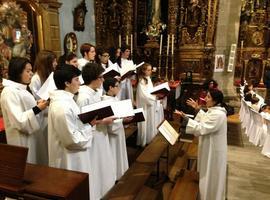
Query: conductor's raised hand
{"x": 193, "y": 104}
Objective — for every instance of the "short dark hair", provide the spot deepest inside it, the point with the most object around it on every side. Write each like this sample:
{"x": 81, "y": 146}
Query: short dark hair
{"x": 70, "y": 56}
{"x": 248, "y": 97}
{"x": 65, "y": 74}
{"x": 216, "y": 95}
{"x": 16, "y": 67}
{"x": 109, "y": 82}
{"x": 91, "y": 72}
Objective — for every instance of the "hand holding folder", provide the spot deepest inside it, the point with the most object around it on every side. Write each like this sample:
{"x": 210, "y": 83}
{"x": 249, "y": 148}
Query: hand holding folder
{"x": 161, "y": 90}
{"x": 98, "y": 111}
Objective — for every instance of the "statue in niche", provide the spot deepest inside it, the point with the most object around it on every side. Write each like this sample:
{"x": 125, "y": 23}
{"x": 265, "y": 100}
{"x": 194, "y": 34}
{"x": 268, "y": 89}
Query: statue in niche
{"x": 114, "y": 13}
{"x": 194, "y": 14}
{"x": 79, "y": 16}
{"x": 14, "y": 31}
{"x": 155, "y": 26}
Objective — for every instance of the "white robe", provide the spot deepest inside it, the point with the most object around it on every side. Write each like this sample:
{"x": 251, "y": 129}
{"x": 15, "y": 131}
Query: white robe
{"x": 147, "y": 129}
{"x": 211, "y": 127}
{"x": 126, "y": 89}
{"x": 22, "y": 126}
{"x": 35, "y": 85}
{"x": 103, "y": 174}
{"x": 117, "y": 140}
{"x": 68, "y": 138}
{"x": 82, "y": 62}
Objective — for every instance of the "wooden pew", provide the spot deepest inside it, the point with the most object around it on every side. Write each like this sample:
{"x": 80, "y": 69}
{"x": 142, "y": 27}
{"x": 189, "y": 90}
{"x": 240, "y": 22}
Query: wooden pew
{"x": 131, "y": 183}
{"x": 153, "y": 151}
{"x": 147, "y": 193}
{"x": 186, "y": 187}
{"x": 130, "y": 130}
{"x": 192, "y": 153}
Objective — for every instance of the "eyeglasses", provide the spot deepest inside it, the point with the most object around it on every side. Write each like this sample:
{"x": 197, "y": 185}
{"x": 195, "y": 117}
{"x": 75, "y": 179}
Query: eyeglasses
{"x": 116, "y": 85}
{"x": 106, "y": 55}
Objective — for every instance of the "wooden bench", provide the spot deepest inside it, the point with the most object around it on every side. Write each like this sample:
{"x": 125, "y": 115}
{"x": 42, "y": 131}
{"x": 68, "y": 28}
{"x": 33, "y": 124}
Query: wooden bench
{"x": 131, "y": 183}
{"x": 147, "y": 193}
{"x": 234, "y": 134}
{"x": 130, "y": 130}
{"x": 186, "y": 187}
{"x": 154, "y": 151}
{"x": 192, "y": 153}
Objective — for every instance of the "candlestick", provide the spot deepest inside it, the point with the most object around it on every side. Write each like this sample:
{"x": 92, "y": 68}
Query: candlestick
{"x": 131, "y": 44}
{"x": 172, "y": 43}
{"x": 160, "y": 44}
{"x": 168, "y": 44}
{"x": 119, "y": 40}
{"x": 126, "y": 39}
{"x": 172, "y": 75}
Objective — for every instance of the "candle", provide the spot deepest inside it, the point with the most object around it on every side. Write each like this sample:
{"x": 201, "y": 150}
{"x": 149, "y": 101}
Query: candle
{"x": 172, "y": 43}
{"x": 160, "y": 44}
{"x": 242, "y": 44}
{"x": 127, "y": 40}
{"x": 168, "y": 44}
{"x": 119, "y": 40}
{"x": 131, "y": 43}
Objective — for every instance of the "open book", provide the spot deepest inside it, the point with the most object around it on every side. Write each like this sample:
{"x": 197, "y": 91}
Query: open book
{"x": 168, "y": 132}
{"x": 129, "y": 69}
{"x": 111, "y": 71}
{"x": 163, "y": 89}
{"x": 97, "y": 110}
{"x": 138, "y": 115}
{"x": 122, "y": 108}
{"x": 47, "y": 87}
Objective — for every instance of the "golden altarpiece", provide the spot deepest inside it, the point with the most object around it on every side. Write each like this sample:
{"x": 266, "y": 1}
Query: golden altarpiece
{"x": 254, "y": 41}
{"x": 28, "y": 26}
{"x": 192, "y": 23}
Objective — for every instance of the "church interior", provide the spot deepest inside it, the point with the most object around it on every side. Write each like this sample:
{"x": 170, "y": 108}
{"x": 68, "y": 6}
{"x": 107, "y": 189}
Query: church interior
{"x": 189, "y": 45}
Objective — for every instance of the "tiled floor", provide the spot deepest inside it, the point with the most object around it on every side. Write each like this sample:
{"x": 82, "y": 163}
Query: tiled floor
{"x": 248, "y": 173}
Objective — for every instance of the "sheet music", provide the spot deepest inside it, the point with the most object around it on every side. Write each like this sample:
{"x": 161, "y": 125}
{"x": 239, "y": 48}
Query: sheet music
{"x": 47, "y": 87}
{"x": 160, "y": 87}
{"x": 95, "y": 106}
{"x": 137, "y": 66}
{"x": 122, "y": 108}
{"x": 110, "y": 68}
{"x": 168, "y": 132}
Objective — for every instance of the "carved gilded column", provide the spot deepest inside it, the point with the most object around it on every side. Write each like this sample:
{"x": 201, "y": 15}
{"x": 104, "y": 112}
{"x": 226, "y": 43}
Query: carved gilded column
{"x": 128, "y": 17}
{"x": 211, "y": 22}
{"x": 172, "y": 14}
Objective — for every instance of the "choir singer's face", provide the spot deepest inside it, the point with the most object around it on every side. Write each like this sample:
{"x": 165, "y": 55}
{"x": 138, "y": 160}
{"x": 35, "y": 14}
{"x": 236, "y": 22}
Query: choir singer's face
{"x": 27, "y": 74}
{"x": 148, "y": 71}
{"x": 98, "y": 82}
{"x": 209, "y": 101}
{"x": 126, "y": 54}
{"x": 74, "y": 86}
{"x": 91, "y": 54}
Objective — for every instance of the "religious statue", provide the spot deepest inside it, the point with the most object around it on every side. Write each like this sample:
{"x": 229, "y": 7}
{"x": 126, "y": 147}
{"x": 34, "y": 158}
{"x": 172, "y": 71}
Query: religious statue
{"x": 193, "y": 16}
{"x": 155, "y": 26}
{"x": 114, "y": 13}
{"x": 15, "y": 37}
